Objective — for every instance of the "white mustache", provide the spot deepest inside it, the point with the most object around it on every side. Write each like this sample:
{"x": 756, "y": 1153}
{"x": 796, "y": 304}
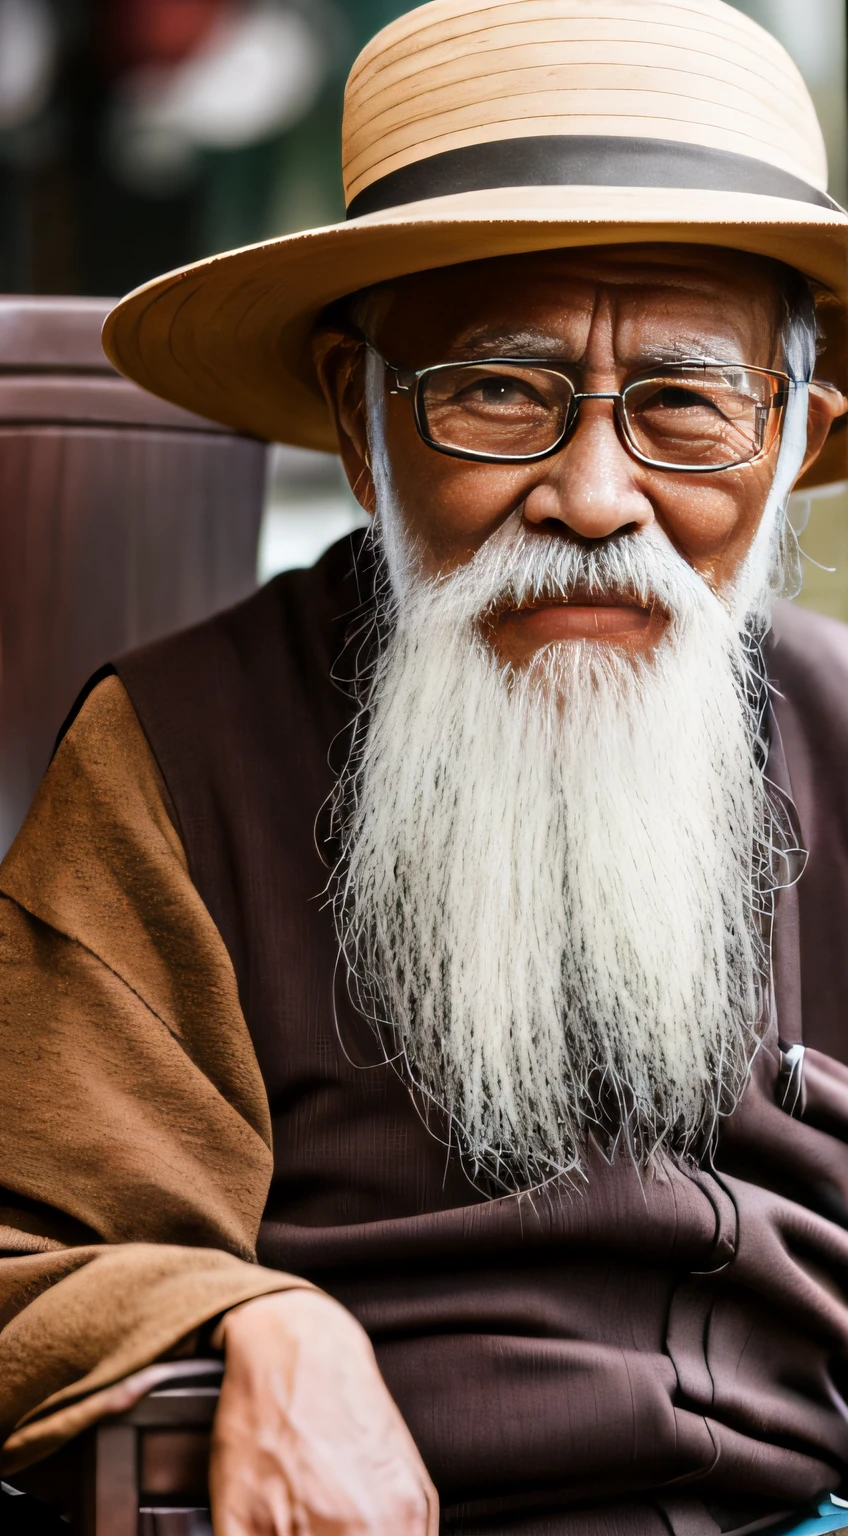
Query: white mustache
{"x": 518, "y": 566}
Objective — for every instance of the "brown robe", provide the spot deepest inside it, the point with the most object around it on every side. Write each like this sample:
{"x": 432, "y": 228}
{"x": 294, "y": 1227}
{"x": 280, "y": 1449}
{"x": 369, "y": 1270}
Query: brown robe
{"x": 627, "y": 1357}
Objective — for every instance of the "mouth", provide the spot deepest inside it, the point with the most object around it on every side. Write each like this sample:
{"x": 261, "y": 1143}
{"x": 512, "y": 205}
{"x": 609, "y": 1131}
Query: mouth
{"x": 519, "y": 631}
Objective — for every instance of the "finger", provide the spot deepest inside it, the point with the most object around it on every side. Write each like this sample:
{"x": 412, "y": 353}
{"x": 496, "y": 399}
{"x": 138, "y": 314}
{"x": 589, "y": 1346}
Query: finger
{"x": 246, "y": 1499}
{"x": 379, "y": 1501}
{"x": 236, "y": 1516}
{"x": 432, "y": 1498}
{"x": 417, "y": 1514}
{"x": 409, "y": 1454}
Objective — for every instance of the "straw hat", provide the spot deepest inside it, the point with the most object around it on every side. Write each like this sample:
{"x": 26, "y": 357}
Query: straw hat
{"x": 484, "y": 129}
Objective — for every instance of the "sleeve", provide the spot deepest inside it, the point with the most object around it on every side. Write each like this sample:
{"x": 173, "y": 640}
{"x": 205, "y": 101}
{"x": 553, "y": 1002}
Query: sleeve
{"x": 134, "y": 1129}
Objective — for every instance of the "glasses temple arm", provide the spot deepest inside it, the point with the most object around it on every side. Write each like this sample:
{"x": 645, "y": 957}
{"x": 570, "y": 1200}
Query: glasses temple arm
{"x": 402, "y": 381}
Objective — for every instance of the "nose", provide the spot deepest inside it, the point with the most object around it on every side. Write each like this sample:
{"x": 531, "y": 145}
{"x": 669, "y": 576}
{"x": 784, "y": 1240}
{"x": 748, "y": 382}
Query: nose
{"x": 593, "y": 486}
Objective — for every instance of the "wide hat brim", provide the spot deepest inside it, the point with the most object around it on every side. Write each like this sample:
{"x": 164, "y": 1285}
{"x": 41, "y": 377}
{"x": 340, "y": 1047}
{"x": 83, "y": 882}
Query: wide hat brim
{"x": 229, "y": 337}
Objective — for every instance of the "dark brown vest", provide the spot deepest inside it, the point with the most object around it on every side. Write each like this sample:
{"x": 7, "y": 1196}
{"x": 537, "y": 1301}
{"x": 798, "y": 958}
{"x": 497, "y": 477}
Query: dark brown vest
{"x": 623, "y": 1358}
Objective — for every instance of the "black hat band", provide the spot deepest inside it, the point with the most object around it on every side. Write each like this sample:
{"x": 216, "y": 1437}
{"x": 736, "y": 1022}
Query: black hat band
{"x": 582, "y": 160}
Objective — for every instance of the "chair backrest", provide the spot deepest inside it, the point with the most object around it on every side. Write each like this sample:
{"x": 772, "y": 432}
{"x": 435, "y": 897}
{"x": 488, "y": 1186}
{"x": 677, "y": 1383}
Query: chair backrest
{"x": 121, "y": 518}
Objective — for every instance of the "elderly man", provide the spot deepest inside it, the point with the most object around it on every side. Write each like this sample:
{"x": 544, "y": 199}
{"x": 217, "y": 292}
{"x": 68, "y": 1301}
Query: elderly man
{"x": 424, "y": 984}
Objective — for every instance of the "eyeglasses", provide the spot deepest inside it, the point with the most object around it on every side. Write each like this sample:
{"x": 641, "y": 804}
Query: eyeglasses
{"x": 694, "y": 415}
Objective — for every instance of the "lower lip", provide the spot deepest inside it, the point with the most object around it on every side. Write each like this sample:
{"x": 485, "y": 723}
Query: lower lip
{"x": 575, "y": 621}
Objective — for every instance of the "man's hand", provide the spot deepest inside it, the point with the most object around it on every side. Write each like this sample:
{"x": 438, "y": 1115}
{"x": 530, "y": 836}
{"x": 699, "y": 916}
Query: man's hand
{"x": 307, "y": 1440}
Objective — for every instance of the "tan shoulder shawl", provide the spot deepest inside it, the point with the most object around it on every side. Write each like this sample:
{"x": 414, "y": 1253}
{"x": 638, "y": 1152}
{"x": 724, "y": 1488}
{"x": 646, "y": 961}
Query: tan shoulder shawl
{"x": 134, "y": 1130}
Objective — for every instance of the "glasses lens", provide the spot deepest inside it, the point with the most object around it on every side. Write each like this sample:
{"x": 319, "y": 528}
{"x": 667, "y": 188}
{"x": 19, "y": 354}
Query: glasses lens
{"x": 708, "y": 418}
{"x": 502, "y": 410}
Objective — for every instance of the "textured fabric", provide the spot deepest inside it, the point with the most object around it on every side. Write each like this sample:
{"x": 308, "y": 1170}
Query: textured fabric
{"x": 134, "y": 1134}
{"x": 809, "y": 664}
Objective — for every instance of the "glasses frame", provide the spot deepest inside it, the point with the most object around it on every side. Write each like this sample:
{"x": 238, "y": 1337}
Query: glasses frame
{"x": 410, "y": 382}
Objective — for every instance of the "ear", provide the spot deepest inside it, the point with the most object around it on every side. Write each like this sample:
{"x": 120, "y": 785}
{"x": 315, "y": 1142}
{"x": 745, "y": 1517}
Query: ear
{"x": 826, "y": 404}
{"x": 340, "y": 364}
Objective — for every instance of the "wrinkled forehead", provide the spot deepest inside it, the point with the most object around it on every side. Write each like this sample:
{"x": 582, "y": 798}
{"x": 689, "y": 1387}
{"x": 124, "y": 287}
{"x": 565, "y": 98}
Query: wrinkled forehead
{"x": 672, "y": 297}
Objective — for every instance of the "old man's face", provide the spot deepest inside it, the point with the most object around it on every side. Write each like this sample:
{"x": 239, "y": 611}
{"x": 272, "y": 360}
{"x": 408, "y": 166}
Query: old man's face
{"x": 612, "y": 313}
{"x": 558, "y": 861}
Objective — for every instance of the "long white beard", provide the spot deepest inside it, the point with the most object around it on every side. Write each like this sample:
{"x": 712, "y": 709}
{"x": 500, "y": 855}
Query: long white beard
{"x": 555, "y": 885}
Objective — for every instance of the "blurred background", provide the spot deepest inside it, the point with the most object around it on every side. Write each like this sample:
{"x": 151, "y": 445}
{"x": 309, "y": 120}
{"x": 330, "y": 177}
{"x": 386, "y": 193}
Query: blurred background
{"x": 136, "y": 135}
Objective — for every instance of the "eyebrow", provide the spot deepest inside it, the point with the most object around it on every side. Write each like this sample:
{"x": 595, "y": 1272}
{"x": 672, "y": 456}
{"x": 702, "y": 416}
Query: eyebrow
{"x": 490, "y": 341}
{"x": 680, "y": 351}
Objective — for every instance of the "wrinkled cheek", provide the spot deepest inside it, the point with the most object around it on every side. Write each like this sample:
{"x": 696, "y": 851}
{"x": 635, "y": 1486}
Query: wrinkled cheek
{"x": 715, "y": 524}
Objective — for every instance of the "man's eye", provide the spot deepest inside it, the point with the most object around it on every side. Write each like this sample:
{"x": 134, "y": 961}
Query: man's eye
{"x": 673, "y": 397}
{"x": 499, "y": 392}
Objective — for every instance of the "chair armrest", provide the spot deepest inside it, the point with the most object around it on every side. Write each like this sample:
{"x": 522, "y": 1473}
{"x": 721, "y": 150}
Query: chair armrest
{"x": 152, "y": 1455}
{"x": 179, "y": 1393}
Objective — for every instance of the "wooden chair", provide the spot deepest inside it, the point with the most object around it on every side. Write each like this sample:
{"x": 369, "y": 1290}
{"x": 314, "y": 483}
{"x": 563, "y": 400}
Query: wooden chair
{"x": 121, "y": 518}
{"x": 143, "y": 1472}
